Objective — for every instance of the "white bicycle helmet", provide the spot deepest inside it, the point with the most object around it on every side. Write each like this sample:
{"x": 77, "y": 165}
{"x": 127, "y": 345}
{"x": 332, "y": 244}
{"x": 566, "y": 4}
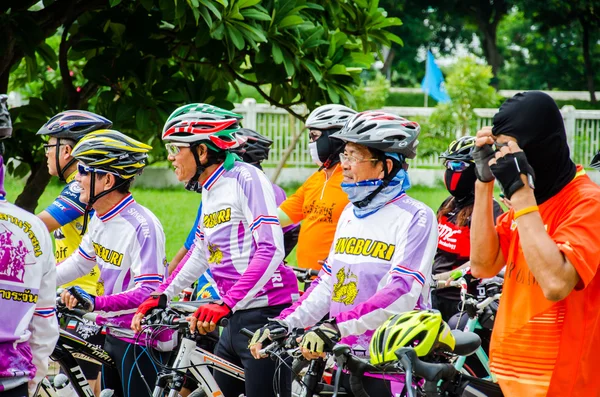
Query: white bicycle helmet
{"x": 329, "y": 116}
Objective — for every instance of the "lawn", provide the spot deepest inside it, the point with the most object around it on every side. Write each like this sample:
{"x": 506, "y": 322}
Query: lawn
{"x": 176, "y": 208}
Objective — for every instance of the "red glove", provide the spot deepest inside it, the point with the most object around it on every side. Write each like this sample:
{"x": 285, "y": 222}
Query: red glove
{"x": 212, "y": 312}
{"x": 154, "y": 302}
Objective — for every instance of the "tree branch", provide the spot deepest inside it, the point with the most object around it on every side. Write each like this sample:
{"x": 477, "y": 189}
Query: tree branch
{"x": 287, "y": 107}
{"x": 63, "y": 51}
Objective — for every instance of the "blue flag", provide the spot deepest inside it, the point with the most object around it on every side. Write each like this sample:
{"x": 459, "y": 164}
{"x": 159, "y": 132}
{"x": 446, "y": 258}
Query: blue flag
{"x": 433, "y": 82}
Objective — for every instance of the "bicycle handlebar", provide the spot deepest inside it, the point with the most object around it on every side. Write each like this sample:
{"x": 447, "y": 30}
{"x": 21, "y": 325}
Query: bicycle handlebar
{"x": 304, "y": 275}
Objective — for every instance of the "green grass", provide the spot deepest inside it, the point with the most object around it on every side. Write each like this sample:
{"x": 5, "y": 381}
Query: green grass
{"x": 176, "y": 208}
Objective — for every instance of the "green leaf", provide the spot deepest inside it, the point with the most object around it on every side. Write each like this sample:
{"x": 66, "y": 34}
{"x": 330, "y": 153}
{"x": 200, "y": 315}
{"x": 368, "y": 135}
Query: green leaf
{"x": 387, "y": 22}
{"x": 252, "y": 32}
{"x": 142, "y": 119}
{"x": 290, "y": 20}
{"x": 236, "y": 37}
{"x": 256, "y": 14}
{"x": 114, "y": 3}
{"x": 47, "y": 54}
{"x": 247, "y": 3}
{"x": 208, "y": 4}
{"x": 147, "y": 4}
{"x": 289, "y": 66}
{"x": 313, "y": 69}
{"x": 334, "y": 96}
{"x": 277, "y": 54}
{"x": 206, "y": 16}
{"x": 338, "y": 69}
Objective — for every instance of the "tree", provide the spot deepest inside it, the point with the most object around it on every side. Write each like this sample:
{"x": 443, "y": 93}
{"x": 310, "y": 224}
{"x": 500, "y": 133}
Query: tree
{"x": 136, "y": 61}
{"x": 562, "y": 14}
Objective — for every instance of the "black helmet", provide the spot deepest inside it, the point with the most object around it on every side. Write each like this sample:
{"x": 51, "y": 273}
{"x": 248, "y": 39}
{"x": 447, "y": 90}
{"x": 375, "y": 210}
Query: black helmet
{"x": 596, "y": 161}
{"x": 5, "y": 124}
{"x": 257, "y": 146}
{"x": 460, "y": 149}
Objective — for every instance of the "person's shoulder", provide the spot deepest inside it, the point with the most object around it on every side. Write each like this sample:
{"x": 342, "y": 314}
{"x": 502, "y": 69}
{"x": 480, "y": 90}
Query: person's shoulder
{"x": 8, "y": 210}
{"x": 139, "y": 216}
{"x": 245, "y": 174}
{"x": 582, "y": 194}
{"x": 411, "y": 205}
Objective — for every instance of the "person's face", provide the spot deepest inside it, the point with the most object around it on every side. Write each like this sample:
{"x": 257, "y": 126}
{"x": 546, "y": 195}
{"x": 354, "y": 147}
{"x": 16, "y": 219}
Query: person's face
{"x": 358, "y": 164}
{"x": 103, "y": 182}
{"x": 64, "y": 154}
{"x": 313, "y": 135}
{"x": 182, "y": 159}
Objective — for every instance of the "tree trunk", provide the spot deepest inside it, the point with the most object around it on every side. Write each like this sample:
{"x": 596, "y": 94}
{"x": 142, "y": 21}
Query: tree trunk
{"x": 587, "y": 60}
{"x": 34, "y": 187}
{"x": 490, "y": 50}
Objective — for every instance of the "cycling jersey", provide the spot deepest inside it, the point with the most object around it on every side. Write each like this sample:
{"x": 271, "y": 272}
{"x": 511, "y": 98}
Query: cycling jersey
{"x": 68, "y": 211}
{"x": 318, "y": 203}
{"x": 240, "y": 240}
{"x": 205, "y": 286}
{"x": 454, "y": 242}
{"x": 29, "y": 328}
{"x": 377, "y": 267}
{"x": 128, "y": 245}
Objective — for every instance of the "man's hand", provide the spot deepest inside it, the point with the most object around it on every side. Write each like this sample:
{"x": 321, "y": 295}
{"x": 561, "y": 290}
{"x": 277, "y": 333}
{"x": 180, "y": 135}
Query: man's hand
{"x": 74, "y": 295}
{"x": 206, "y": 318}
{"x": 153, "y": 302}
{"x": 274, "y": 329}
{"x": 313, "y": 345}
{"x": 511, "y": 168}
{"x": 483, "y": 153}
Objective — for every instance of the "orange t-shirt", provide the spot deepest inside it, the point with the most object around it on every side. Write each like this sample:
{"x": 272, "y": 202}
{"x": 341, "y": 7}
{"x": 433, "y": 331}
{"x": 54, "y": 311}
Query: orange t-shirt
{"x": 318, "y": 203}
{"x": 544, "y": 348}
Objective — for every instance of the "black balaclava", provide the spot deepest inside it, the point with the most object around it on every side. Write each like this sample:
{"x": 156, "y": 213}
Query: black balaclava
{"x": 461, "y": 184}
{"x": 533, "y": 118}
{"x": 329, "y": 149}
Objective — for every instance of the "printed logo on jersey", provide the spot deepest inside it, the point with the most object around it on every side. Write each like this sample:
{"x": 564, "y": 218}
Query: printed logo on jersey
{"x": 345, "y": 289}
{"x": 320, "y": 212}
{"x": 14, "y": 256}
{"x": 107, "y": 255}
{"x": 215, "y": 254}
{"x": 217, "y": 218}
{"x": 75, "y": 187}
{"x": 60, "y": 254}
{"x": 454, "y": 239}
{"x": 100, "y": 287}
{"x": 37, "y": 250}
{"x": 364, "y": 247}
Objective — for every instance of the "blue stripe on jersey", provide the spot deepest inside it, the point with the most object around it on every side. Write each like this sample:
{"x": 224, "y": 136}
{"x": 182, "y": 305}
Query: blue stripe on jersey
{"x": 408, "y": 272}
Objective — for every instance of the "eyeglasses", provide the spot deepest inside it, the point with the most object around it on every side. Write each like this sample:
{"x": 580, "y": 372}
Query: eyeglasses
{"x": 314, "y": 135}
{"x": 48, "y": 146}
{"x": 85, "y": 170}
{"x": 174, "y": 148}
{"x": 456, "y": 165}
{"x": 353, "y": 160}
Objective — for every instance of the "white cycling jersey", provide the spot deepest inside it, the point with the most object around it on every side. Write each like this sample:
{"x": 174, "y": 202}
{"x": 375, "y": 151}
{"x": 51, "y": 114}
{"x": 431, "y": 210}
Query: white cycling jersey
{"x": 377, "y": 267}
{"x": 128, "y": 245}
{"x": 29, "y": 328}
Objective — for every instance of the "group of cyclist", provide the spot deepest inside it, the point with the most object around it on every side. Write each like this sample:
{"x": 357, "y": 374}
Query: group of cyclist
{"x": 376, "y": 248}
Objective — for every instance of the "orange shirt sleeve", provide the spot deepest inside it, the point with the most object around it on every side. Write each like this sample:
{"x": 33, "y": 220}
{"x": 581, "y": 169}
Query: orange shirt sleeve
{"x": 578, "y": 238}
{"x": 503, "y": 224}
{"x": 294, "y": 204}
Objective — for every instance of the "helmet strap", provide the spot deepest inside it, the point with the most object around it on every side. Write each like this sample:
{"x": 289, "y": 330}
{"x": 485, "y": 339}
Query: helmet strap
{"x": 387, "y": 178}
{"x": 93, "y": 198}
{"x": 193, "y": 184}
{"x": 61, "y": 170}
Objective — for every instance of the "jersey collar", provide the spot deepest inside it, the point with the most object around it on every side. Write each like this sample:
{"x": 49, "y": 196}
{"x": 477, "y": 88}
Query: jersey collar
{"x": 71, "y": 177}
{"x": 212, "y": 179}
{"x": 117, "y": 208}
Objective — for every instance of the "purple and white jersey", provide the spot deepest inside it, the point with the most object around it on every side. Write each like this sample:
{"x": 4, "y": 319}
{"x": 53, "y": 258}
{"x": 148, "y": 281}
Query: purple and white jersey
{"x": 29, "y": 328}
{"x": 377, "y": 267}
{"x": 128, "y": 245}
{"x": 239, "y": 238}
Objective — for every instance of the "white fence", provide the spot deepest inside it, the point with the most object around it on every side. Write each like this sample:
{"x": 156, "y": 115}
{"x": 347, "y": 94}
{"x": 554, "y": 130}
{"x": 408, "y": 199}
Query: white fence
{"x": 582, "y": 126}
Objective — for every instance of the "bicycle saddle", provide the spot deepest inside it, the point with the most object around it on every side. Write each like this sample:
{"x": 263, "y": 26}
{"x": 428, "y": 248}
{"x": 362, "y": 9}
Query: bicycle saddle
{"x": 466, "y": 342}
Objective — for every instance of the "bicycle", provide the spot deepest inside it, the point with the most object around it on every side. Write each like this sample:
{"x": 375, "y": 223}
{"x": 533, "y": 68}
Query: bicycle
{"x": 67, "y": 348}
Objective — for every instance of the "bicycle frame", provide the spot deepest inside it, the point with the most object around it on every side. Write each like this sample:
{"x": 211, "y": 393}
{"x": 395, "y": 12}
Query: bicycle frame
{"x": 63, "y": 353}
{"x": 200, "y": 362}
{"x": 471, "y": 326}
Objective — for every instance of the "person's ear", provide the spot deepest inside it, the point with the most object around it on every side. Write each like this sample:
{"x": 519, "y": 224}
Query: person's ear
{"x": 109, "y": 181}
{"x": 67, "y": 152}
{"x": 202, "y": 153}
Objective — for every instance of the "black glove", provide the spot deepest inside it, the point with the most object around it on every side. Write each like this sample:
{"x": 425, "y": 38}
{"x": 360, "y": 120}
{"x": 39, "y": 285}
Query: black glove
{"x": 508, "y": 170}
{"x": 87, "y": 301}
{"x": 274, "y": 329}
{"x": 482, "y": 156}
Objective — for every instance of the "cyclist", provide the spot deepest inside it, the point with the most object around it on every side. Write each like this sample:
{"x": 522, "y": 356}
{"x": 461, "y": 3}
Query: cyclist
{"x": 64, "y": 216}
{"x": 383, "y": 247}
{"x": 239, "y": 239}
{"x": 126, "y": 241}
{"x": 546, "y": 333}
{"x": 454, "y": 221}
{"x": 596, "y": 161}
{"x": 29, "y": 328}
{"x": 319, "y": 202}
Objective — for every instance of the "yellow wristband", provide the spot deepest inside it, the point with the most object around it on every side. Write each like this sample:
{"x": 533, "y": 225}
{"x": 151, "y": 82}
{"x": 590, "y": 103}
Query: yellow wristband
{"x": 524, "y": 211}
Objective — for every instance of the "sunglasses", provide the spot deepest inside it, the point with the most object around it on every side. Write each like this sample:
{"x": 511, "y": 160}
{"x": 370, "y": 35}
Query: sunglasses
{"x": 456, "y": 165}
{"x": 85, "y": 170}
{"x": 174, "y": 148}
